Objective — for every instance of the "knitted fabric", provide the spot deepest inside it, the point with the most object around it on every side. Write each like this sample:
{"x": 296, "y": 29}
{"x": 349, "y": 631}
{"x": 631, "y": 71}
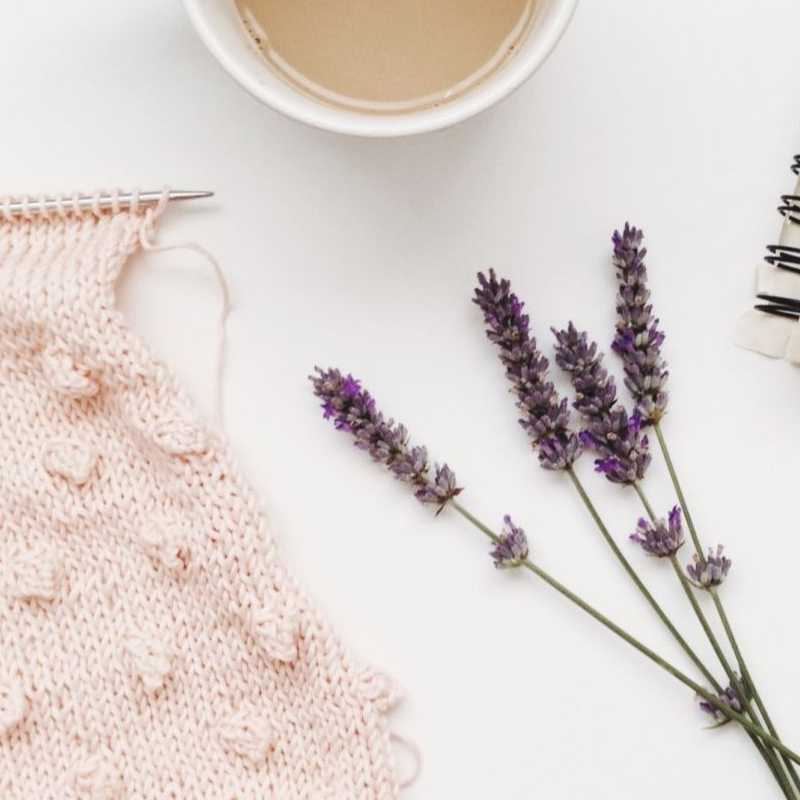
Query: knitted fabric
{"x": 151, "y": 643}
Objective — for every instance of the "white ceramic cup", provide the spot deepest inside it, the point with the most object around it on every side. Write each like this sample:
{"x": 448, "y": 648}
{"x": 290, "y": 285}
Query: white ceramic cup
{"x": 218, "y": 24}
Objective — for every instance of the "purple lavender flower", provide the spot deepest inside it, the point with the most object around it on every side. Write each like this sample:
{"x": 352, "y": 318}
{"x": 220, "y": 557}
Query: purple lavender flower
{"x": 512, "y": 549}
{"x": 638, "y": 338}
{"x": 595, "y": 391}
{"x": 353, "y": 410}
{"x": 441, "y": 489}
{"x": 662, "y": 538}
{"x": 710, "y": 571}
{"x": 546, "y": 416}
{"x": 623, "y": 451}
{"x": 730, "y": 697}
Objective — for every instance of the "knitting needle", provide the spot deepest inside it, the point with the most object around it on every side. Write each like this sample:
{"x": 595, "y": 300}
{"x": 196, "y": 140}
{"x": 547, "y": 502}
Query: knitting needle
{"x": 88, "y": 202}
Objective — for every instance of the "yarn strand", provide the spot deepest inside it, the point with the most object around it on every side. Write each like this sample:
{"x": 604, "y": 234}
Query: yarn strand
{"x": 146, "y": 239}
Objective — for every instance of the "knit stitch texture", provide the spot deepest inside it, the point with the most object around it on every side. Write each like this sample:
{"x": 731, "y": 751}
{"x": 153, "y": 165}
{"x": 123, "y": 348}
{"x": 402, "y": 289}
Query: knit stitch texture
{"x": 152, "y": 645}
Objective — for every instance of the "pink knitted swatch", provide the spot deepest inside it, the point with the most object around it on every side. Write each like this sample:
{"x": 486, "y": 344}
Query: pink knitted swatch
{"x": 152, "y": 645}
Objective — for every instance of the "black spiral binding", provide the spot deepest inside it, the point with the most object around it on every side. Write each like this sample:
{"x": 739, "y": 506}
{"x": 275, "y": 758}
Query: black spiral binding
{"x": 785, "y": 257}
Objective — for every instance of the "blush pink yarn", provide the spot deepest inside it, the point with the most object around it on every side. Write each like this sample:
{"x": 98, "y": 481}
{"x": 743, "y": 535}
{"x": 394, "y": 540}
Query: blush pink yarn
{"x": 152, "y": 645}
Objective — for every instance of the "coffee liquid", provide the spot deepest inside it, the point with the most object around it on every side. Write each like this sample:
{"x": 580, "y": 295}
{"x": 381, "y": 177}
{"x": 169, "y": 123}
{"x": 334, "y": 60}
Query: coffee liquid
{"x": 386, "y": 56}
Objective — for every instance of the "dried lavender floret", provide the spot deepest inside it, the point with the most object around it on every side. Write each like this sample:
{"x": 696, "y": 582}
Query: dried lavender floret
{"x": 545, "y": 415}
{"x": 512, "y": 549}
{"x": 638, "y": 338}
{"x": 442, "y": 488}
{"x": 710, "y": 571}
{"x": 730, "y": 697}
{"x": 662, "y": 538}
{"x": 353, "y": 410}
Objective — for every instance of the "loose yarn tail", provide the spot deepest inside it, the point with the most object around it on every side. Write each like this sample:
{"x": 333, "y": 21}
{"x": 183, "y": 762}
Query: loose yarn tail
{"x": 146, "y": 239}
{"x": 416, "y": 756}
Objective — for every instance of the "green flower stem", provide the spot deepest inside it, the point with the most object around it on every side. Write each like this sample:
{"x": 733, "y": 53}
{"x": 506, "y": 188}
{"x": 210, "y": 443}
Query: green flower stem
{"x": 717, "y": 601}
{"x": 768, "y": 755}
{"x": 726, "y": 710}
{"x": 748, "y": 680}
{"x": 678, "y": 490}
{"x": 634, "y": 576}
{"x": 645, "y": 502}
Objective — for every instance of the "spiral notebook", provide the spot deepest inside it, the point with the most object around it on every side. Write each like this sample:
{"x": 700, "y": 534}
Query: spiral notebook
{"x": 771, "y": 327}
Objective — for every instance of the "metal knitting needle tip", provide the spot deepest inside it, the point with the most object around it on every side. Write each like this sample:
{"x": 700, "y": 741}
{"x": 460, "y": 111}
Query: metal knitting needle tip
{"x": 187, "y": 195}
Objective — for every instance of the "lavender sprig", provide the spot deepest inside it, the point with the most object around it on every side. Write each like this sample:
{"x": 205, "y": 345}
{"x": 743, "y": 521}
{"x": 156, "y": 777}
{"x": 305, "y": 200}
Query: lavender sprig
{"x": 638, "y": 338}
{"x": 511, "y": 548}
{"x": 545, "y": 415}
{"x": 660, "y": 538}
{"x": 711, "y": 570}
{"x": 548, "y": 418}
{"x": 353, "y": 410}
{"x": 623, "y": 451}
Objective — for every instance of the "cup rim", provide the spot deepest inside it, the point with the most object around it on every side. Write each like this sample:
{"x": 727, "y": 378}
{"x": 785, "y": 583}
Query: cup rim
{"x": 316, "y": 114}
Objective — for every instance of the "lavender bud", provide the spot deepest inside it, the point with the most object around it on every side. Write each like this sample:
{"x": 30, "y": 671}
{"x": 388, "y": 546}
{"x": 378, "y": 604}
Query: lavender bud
{"x": 440, "y": 490}
{"x": 559, "y": 453}
{"x": 545, "y": 415}
{"x": 623, "y": 453}
{"x": 353, "y": 410}
{"x": 512, "y": 548}
{"x": 661, "y": 539}
{"x": 638, "y": 338}
{"x": 710, "y": 571}
{"x": 730, "y": 697}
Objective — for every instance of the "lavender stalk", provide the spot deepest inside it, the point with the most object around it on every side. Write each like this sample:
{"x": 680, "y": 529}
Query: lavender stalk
{"x": 623, "y": 458}
{"x": 638, "y": 342}
{"x": 546, "y": 418}
{"x": 354, "y": 411}
{"x": 720, "y": 703}
{"x": 638, "y": 338}
{"x": 663, "y": 539}
{"x": 623, "y": 450}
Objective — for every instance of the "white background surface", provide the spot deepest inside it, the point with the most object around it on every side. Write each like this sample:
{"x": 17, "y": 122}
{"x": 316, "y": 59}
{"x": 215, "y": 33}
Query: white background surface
{"x": 681, "y": 116}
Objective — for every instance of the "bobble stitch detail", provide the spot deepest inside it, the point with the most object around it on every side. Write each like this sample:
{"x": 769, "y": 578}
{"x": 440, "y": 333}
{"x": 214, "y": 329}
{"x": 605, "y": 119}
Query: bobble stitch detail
{"x": 247, "y": 734}
{"x": 13, "y": 705}
{"x": 379, "y": 688}
{"x": 275, "y": 629}
{"x": 79, "y": 702}
{"x": 69, "y": 460}
{"x": 35, "y": 575}
{"x": 97, "y": 778}
{"x": 151, "y": 660}
{"x": 166, "y": 543}
{"x": 65, "y": 376}
{"x": 179, "y": 438}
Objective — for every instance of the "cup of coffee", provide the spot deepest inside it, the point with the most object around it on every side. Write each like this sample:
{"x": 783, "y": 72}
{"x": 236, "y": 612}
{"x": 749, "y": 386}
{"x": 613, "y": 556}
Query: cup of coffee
{"x": 380, "y": 67}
